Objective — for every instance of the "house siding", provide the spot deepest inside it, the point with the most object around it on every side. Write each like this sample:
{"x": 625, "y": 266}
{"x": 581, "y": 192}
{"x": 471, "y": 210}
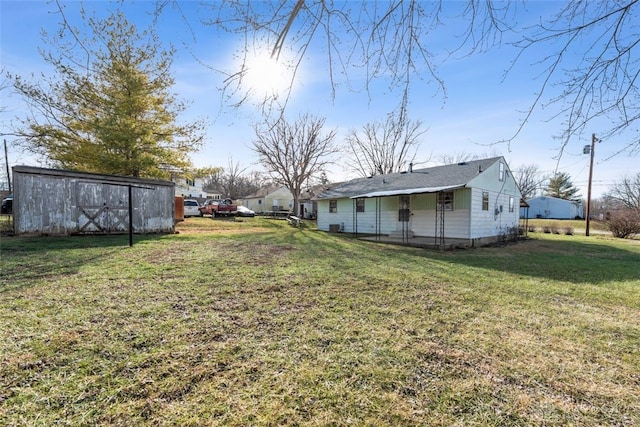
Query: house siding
{"x": 185, "y": 189}
{"x": 456, "y": 221}
{"x": 280, "y": 197}
{"x": 493, "y": 222}
{"x": 366, "y": 221}
{"x": 343, "y": 216}
{"x": 466, "y": 220}
{"x": 422, "y": 221}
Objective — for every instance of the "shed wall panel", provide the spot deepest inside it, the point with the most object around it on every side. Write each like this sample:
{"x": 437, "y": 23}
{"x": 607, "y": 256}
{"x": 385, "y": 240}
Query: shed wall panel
{"x": 49, "y": 201}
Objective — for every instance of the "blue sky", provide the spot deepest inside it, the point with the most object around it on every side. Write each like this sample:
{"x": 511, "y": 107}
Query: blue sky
{"x": 481, "y": 106}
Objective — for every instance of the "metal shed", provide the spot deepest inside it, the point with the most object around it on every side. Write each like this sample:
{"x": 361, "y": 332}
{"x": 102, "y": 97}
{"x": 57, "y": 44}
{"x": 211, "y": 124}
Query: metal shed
{"x": 62, "y": 202}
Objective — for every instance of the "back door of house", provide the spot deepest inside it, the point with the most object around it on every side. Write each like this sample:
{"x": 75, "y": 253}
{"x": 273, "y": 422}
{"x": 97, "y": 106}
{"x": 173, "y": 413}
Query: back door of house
{"x": 404, "y": 213}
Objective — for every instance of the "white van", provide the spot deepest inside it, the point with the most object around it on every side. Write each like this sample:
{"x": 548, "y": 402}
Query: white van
{"x": 191, "y": 208}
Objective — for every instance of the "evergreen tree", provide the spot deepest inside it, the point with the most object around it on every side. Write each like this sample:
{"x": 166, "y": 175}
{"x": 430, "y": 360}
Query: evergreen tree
{"x": 109, "y": 108}
{"x": 560, "y": 186}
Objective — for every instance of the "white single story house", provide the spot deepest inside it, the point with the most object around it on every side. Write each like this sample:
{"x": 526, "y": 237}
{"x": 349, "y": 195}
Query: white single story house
{"x": 273, "y": 198}
{"x": 475, "y": 203}
{"x": 552, "y": 208}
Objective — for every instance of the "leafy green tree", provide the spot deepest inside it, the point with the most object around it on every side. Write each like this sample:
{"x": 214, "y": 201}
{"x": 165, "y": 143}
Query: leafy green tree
{"x": 561, "y": 186}
{"x": 109, "y": 108}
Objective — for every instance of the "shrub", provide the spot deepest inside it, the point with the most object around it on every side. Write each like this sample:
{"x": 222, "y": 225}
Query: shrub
{"x": 555, "y": 229}
{"x": 510, "y": 234}
{"x": 624, "y": 223}
{"x": 568, "y": 230}
{"x": 546, "y": 229}
{"x": 531, "y": 228}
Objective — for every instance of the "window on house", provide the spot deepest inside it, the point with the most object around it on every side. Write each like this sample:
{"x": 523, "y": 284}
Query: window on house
{"x": 445, "y": 200}
{"x": 512, "y": 204}
{"x": 485, "y": 200}
{"x": 359, "y": 205}
{"x": 501, "y": 177}
{"x": 333, "y": 206}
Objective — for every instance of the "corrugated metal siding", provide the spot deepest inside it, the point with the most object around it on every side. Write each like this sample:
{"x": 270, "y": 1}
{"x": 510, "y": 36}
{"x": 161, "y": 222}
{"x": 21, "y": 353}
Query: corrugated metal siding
{"x": 551, "y": 207}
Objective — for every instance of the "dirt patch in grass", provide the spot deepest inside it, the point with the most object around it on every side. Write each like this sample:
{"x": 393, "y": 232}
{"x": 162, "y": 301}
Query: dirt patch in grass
{"x": 234, "y": 225}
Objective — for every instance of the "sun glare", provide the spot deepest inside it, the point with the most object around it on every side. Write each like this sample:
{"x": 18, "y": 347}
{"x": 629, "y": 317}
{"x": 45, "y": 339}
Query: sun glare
{"x": 266, "y": 77}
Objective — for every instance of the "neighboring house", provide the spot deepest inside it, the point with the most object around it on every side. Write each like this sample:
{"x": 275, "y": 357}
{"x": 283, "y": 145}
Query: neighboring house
{"x": 308, "y": 204}
{"x": 273, "y": 198}
{"x": 193, "y": 188}
{"x": 553, "y": 208}
{"x": 475, "y": 203}
{"x": 61, "y": 202}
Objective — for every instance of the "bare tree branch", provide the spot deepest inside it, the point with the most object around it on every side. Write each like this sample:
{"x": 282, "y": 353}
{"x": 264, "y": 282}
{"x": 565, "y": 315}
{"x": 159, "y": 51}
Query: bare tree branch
{"x": 603, "y": 85}
{"x": 293, "y": 153}
{"x": 384, "y": 147}
{"x": 627, "y": 191}
{"x": 529, "y": 179}
{"x": 389, "y": 42}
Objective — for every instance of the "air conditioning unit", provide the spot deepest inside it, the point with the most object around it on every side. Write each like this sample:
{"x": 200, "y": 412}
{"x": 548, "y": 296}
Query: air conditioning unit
{"x": 334, "y": 228}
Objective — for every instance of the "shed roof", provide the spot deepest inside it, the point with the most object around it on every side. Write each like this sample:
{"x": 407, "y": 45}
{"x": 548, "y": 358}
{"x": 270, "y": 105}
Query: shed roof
{"x": 535, "y": 200}
{"x": 429, "y": 180}
{"x": 109, "y": 179}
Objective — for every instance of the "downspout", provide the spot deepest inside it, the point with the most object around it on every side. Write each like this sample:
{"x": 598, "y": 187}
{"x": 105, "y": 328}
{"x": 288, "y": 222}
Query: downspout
{"x": 471, "y": 213}
{"x": 378, "y": 217}
{"x": 354, "y": 220}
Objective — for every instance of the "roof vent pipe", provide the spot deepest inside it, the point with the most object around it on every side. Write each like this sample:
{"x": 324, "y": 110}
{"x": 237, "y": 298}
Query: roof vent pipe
{"x": 410, "y": 167}
{"x": 479, "y": 168}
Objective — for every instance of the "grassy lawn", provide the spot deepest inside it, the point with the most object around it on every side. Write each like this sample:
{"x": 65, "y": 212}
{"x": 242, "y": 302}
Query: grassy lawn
{"x": 254, "y": 322}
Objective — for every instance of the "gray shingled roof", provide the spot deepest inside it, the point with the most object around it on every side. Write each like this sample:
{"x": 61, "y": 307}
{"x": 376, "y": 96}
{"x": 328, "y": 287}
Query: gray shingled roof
{"x": 429, "y": 180}
{"x": 263, "y": 192}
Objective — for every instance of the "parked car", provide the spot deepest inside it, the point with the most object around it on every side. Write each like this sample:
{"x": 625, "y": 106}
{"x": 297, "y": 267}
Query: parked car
{"x": 244, "y": 211}
{"x": 191, "y": 208}
{"x": 7, "y": 205}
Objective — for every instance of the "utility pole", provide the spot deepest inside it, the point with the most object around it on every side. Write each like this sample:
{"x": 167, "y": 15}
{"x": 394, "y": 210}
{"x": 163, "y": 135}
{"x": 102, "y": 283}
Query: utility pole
{"x": 588, "y": 213}
{"x": 6, "y": 161}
